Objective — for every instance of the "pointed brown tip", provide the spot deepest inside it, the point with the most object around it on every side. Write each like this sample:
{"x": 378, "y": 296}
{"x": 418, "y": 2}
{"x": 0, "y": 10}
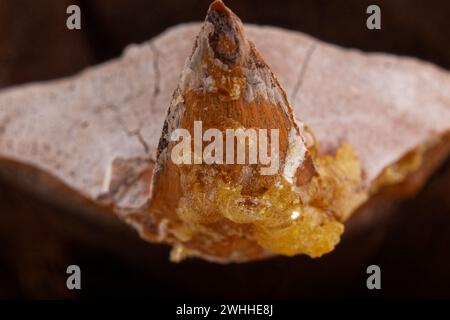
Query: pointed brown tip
{"x": 227, "y": 38}
{"x": 219, "y": 6}
{"x": 219, "y": 14}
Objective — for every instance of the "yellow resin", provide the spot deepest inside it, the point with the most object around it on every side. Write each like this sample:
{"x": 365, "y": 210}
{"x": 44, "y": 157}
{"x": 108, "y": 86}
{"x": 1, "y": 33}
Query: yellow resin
{"x": 398, "y": 171}
{"x": 284, "y": 219}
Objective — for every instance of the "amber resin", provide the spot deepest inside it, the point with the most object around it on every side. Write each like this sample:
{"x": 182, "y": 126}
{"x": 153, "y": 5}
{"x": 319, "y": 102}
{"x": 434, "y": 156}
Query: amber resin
{"x": 283, "y": 218}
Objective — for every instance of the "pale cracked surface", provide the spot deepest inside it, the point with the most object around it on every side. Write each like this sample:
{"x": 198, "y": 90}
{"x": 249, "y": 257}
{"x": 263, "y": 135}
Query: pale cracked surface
{"x": 97, "y": 132}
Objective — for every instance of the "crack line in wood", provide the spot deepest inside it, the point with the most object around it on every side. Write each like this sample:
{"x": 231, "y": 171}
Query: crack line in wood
{"x": 130, "y": 133}
{"x": 302, "y": 73}
{"x": 155, "y": 51}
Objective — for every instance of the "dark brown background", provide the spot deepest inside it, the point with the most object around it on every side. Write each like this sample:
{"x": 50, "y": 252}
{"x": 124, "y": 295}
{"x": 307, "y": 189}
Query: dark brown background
{"x": 38, "y": 240}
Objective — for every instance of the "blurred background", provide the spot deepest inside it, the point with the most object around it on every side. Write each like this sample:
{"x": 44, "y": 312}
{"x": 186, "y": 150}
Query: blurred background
{"x": 38, "y": 240}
